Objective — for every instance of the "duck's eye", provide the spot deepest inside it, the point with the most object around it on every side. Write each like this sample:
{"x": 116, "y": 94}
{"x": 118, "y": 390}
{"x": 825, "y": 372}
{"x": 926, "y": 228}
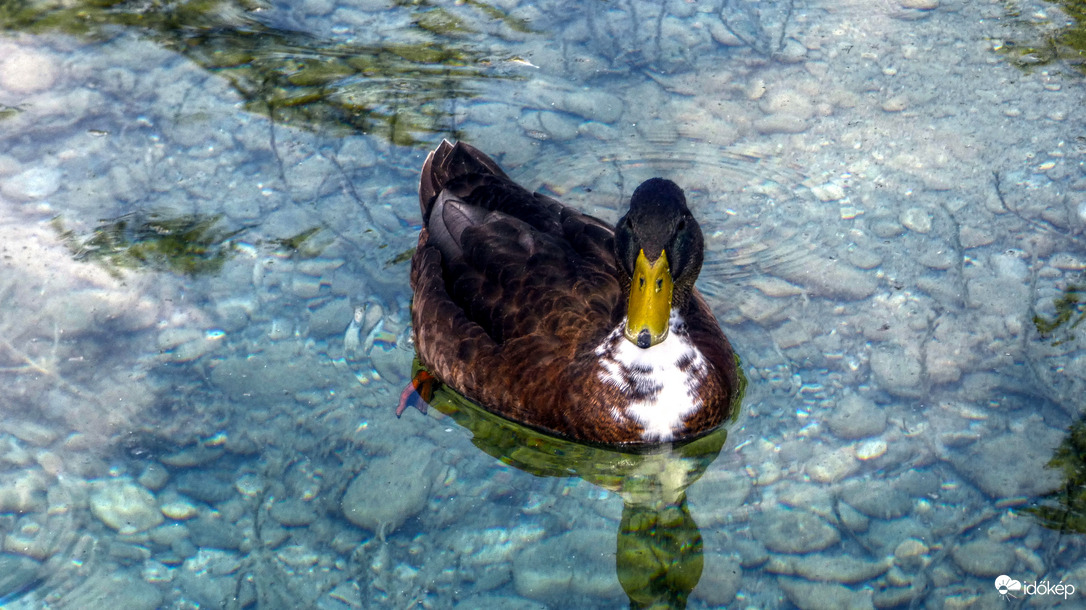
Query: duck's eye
{"x": 641, "y": 281}
{"x": 682, "y": 225}
{"x": 659, "y": 285}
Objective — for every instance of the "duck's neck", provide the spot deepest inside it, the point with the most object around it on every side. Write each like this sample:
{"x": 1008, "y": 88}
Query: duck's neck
{"x": 660, "y": 383}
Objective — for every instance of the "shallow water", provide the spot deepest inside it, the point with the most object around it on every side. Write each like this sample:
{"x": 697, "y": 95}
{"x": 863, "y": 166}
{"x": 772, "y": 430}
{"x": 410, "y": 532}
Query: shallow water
{"x": 197, "y": 200}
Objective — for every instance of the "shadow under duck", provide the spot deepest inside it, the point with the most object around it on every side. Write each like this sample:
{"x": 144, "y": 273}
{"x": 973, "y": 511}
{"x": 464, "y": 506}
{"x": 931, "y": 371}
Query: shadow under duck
{"x": 554, "y": 319}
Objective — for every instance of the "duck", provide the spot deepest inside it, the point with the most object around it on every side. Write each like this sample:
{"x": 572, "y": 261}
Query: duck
{"x": 559, "y": 321}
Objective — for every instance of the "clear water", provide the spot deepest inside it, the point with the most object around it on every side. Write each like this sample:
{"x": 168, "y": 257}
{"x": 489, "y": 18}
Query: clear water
{"x": 197, "y": 198}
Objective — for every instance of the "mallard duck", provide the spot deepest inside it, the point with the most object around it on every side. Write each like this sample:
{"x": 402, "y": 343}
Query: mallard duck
{"x": 559, "y": 321}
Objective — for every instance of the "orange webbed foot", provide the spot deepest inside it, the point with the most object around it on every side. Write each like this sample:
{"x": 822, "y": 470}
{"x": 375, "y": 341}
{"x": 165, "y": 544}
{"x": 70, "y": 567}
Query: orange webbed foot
{"x": 418, "y": 393}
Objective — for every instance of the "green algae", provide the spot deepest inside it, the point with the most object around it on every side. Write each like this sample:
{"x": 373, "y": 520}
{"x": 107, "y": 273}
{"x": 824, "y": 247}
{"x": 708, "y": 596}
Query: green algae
{"x": 1070, "y": 311}
{"x": 188, "y": 244}
{"x": 440, "y": 21}
{"x": 401, "y": 257}
{"x": 494, "y": 13}
{"x": 401, "y": 91}
{"x": 1064, "y": 510}
{"x": 7, "y": 112}
{"x": 1044, "y": 44}
{"x": 305, "y": 244}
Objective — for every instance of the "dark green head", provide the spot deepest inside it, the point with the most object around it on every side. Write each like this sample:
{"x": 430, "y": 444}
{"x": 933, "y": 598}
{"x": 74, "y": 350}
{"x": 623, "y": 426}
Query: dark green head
{"x": 660, "y": 249}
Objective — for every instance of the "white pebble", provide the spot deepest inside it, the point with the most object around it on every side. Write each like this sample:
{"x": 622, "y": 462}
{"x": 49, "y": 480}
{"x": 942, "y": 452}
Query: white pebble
{"x": 833, "y": 467}
{"x": 33, "y": 183}
{"x": 780, "y": 123}
{"x": 775, "y": 287}
{"x": 871, "y": 449}
{"x": 766, "y": 474}
{"x": 895, "y": 104}
{"x": 756, "y": 89}
{"x": 26, "y": 70}
{"x": 787, "y": 102}
{"x": 249, "y": 485}
{"x": 792, "y": 51}
{"x": 31, "y": 432}
{"x": 916, "y": 219}
{"x": 179, "y": 510}
{"x": 919, "y": 5}
{"x": 124, "y": 506}
{"x": 828, "y": 192}
{"x": 1031, "y": 560}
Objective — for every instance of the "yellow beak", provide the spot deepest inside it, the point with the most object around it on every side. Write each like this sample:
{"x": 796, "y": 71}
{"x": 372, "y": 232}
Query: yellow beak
{"x": 650, "y": 301}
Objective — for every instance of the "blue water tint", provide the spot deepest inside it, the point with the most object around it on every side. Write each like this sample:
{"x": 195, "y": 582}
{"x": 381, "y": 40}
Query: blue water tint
{"x": 207, "y": 217}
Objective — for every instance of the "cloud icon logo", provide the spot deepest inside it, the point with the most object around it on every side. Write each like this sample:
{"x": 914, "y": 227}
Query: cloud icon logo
{"x": 1005, "y": 585}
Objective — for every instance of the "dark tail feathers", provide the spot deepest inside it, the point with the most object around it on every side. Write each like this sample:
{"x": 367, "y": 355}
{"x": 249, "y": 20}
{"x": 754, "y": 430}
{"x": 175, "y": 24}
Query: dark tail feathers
{"x": 448, "y": 162}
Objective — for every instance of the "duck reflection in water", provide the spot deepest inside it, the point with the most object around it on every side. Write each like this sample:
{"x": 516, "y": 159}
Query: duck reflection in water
{"x": 659, "y": 546}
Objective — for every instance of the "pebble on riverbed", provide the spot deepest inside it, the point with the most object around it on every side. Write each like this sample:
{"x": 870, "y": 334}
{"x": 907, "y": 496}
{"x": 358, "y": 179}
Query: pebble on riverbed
{"x": 808, "y": 595}
{"x": 390, "y": 489}
{"x": 720, "y": 579}
{"x": 32, "y": 184}
{"x": 898, "y": 370}
{"x": 856, "y": 417}
{"x": 793, "y": 531}
{"x": 829, "y": 278}
{"x": 124, "y": 505}
{"x": 1012, "y": 464}
{"x": 984, "y": 557}
{"x": 22, "y": 491}
{"x": 845, "y": 569}
{"x": 24, "y": 70}
{"x": 572, "y": 563}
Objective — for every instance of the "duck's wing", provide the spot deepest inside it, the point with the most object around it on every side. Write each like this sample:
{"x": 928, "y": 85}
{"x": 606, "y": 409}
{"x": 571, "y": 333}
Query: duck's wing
{"x": 517, "y": 264}
{"x": 448, "y": 162}
{"x": 515, "y": 280}
{"x": 462, "y": 172}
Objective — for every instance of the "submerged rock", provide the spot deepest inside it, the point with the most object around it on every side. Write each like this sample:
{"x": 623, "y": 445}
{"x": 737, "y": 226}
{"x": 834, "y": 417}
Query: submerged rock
{"x": 275, "y": 373}
{"x": 390, "y": 489}
{"x": 570, "y": 564}
{"x": 497, "y": 602}
{"x": 23, "y": 491}
{"x": 844, "y": 569}
{"x": 833, "y": 466}
{"x": 1012, "y": 464}
{"x": 984, "y": 557}
{"x": 793, "y": 531}
{"x": 25, "y": 70}
{"x": 124, "y": 506}
{"x": 34, "y": 183}
{"x": 808, "y": 595}
{"x": 898, "y": 371}
{"x": 829, "y": 278}
{"x": 292, "y": 512}
{"x": 118, "y": 590}
{"x": 856, "y": 417}
{"x": 720, "y": 580}
{"x": 877, "y": 499}
{"x": 16, "y": 574}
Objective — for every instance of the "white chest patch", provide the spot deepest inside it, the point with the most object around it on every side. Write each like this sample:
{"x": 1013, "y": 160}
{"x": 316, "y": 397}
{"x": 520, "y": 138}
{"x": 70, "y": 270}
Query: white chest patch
{"x": 661, "y": 382}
